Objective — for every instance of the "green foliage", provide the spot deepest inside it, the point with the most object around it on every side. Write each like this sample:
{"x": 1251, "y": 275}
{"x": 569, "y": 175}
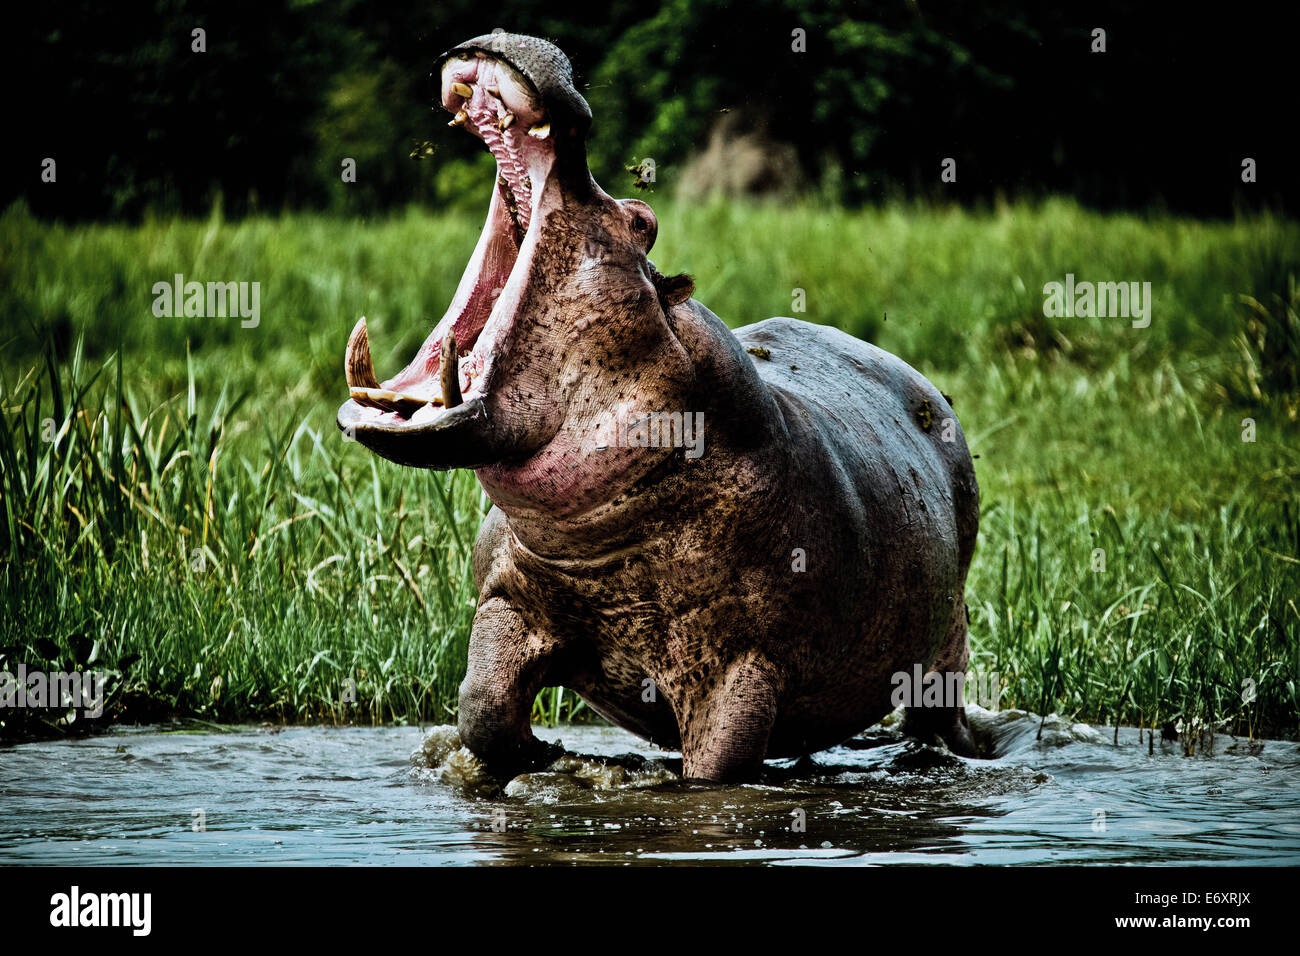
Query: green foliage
{"x": 665, "y": 81}
{"x": 322, "y": 563}
{"x": 222, "y": 578}
{"x": 872, "y": 102}
{"x": 137, "y": 119}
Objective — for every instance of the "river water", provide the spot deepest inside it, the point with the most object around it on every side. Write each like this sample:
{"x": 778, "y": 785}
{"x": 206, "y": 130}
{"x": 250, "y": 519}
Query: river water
{"x": 249, "y": 795}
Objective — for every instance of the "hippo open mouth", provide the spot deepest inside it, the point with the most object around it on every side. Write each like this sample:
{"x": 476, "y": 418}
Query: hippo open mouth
{"x": 514, "y": 95}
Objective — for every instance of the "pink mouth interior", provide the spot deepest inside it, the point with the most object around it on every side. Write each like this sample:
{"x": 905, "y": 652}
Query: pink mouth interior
{"x": 485, "y": 301}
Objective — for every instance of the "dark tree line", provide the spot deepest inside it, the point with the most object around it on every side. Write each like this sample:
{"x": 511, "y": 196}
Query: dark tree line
{"x": 137, "y": 121}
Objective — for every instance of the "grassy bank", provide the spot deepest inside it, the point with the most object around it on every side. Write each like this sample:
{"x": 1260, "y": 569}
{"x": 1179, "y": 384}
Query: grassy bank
{"x": 177, "y": 507}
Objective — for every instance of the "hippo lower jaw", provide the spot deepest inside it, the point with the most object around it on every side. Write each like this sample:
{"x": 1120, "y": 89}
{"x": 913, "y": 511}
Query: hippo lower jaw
{"x": 433, "y": 413}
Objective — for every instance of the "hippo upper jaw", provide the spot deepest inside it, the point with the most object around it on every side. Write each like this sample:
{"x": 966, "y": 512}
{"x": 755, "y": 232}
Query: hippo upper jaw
{"x": 516, "y": 95}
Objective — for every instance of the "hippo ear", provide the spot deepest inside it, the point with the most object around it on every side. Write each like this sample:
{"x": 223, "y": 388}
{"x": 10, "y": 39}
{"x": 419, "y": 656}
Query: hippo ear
{"x": 673, "y": 290}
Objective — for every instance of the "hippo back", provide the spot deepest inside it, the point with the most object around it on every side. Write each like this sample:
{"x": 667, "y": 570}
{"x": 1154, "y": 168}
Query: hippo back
{"x": 886, "y": 423}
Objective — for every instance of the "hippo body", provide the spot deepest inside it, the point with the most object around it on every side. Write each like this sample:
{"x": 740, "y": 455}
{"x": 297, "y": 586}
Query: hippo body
{"x": 745, "y": 596}
{"x": 696, "y": 587}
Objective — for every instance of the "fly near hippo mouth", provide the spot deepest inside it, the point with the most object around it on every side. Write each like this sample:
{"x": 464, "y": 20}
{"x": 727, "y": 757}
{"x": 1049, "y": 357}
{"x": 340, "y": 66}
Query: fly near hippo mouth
{"x": 491, "y": 99}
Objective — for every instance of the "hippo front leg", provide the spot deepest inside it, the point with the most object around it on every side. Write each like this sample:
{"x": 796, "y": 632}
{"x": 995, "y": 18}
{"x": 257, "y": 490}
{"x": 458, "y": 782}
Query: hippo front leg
{"x": 508, "y": 664}
{"x": 725, "y": 733}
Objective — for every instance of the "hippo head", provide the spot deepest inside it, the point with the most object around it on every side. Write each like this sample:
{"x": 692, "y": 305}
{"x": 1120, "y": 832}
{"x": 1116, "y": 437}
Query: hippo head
{"x": 559, "y": 316}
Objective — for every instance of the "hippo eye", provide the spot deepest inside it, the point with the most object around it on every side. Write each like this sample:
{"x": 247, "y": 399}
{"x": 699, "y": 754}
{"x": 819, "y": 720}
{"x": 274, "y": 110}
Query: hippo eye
{"x": 639, "y": 224}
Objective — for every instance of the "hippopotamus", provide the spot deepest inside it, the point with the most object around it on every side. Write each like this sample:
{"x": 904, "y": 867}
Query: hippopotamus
{"x": 728, "y": 543}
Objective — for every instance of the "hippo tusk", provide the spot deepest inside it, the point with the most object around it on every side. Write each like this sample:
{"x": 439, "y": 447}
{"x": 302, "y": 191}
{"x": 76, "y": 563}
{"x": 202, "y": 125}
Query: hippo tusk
{"x": 541, "y": 130}
{"x": 450, "y": 372}
{"x": 363, "y": 386}
{"x": 506, "y": 121}
{"x": 462, "y": 89}
{"x": 357, "y": 366}
{"x": 459, "y": 119}
{"x": 390, "y": 401}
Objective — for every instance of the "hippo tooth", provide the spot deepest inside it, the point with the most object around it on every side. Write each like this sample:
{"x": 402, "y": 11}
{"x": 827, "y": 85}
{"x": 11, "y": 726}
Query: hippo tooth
{"x": 357, "y": 366}
{"x": 450, "y": 372}
{"x": 388, "y": 400}
{"x": 541, "y": 130}
{"x": 459, "y": 119}
{"x": 462, "y": 89}
{"x": 506, "y": 121}
{"x": 454, "y": 71}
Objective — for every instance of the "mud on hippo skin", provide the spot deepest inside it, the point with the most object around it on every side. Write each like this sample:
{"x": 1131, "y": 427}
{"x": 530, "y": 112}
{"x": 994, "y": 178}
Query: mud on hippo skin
{"x": 746, "y": 602}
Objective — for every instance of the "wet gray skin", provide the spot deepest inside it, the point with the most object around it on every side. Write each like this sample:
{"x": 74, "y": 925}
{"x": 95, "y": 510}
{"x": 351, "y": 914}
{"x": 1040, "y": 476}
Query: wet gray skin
{"x": 330, "y": 796}
{"x": 745, "y": 592}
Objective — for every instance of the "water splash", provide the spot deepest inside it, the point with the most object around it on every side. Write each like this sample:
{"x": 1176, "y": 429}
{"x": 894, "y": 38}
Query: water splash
{"x": 338, "y": 795}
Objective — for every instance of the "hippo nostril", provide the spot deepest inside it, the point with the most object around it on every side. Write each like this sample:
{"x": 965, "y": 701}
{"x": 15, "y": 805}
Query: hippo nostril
{"x": 639, "y": 224}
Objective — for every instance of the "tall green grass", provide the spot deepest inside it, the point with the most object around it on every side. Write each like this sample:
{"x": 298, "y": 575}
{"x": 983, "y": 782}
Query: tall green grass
{"x": 177, "y": 506}
{"x": 225, "y": 584}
